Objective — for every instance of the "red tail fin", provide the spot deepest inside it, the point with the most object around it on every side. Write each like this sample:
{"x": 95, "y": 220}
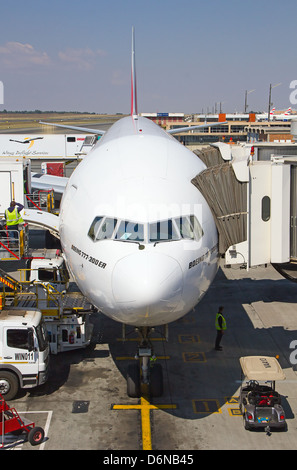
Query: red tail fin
{"x": 134, "y": 111}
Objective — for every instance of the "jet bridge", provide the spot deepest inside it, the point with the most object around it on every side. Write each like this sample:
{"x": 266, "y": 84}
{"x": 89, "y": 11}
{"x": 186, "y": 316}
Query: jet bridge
{"x": 226, "y": 196}
{"x": 254, "y": 203}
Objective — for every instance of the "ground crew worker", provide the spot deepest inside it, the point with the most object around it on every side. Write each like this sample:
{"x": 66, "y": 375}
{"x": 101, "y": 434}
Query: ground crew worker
{"x": 220, "y": 327}
{"x": 13, "y": 219}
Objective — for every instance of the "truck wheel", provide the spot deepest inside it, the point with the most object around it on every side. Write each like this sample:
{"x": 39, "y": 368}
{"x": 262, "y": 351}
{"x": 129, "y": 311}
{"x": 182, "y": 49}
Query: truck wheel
{"x": 9, "y": 385}
{"x": 36, "y": 436}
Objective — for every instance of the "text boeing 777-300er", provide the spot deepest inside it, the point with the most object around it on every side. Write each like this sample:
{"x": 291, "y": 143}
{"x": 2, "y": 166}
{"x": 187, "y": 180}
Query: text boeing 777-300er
{"x": 138, "y": 237}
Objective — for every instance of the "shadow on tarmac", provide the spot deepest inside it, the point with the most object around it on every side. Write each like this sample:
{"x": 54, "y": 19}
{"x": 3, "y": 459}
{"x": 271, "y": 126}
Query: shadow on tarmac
{"x": 197, "y": 379}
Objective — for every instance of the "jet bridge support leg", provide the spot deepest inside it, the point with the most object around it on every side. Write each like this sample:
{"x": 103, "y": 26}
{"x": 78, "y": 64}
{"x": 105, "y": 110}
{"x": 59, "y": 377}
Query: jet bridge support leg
{"x": 145, "y": 374}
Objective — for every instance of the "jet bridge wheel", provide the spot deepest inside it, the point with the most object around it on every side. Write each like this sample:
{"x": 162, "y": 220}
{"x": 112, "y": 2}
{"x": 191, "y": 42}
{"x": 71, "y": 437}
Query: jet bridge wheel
{"x": 133, "y": 380}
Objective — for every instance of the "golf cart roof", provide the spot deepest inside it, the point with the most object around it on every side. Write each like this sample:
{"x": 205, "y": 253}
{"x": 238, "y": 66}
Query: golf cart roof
{"x": 261, "y": 368}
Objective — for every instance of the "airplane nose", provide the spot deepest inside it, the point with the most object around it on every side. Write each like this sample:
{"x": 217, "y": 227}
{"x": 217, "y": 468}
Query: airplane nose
{"x": 145, "y": 285}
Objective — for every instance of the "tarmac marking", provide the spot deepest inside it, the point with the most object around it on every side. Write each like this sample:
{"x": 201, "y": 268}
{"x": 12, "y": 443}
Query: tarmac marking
{"x": 194, "y": 357}
{"x": 137, "y": 339}
{"x": 205, "y": 405}
{"x": 232, "y": 400}
{"x": 145, "y": 408}
{"x": 234, "y": 412}
{"x": 188, "y": 339}
{"x": 129, "y": 358}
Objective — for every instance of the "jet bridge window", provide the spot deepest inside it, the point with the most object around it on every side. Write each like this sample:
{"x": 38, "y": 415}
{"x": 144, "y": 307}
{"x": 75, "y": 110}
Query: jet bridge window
{"x": 102, "y": 228}
{"x": 265, "y": 208}
{"x": 130, "y": 231}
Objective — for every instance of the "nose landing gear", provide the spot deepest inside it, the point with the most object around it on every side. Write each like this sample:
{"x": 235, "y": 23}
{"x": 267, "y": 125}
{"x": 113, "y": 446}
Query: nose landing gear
{"x": 144, "y": 376}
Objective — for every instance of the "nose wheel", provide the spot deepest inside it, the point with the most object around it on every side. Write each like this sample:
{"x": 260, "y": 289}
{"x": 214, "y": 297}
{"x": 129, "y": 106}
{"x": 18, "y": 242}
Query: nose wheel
{"x": 144, "y": 373}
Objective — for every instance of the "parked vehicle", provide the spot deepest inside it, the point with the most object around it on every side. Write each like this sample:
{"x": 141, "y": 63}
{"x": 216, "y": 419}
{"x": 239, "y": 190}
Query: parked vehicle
{"x": 259, "y": 402}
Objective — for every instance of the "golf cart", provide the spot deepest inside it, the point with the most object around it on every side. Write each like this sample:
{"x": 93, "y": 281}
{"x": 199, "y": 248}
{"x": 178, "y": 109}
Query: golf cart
{"x": 259, "y": 402}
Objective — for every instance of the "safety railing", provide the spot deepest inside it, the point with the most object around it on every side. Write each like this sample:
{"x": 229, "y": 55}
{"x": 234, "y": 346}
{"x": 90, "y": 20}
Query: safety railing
{"x": 41, "y": 200}
{"x": 13, "y": 243}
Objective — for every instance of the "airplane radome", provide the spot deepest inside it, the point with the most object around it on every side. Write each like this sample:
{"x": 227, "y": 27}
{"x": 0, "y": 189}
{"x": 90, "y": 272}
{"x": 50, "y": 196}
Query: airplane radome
{"x": 139, "y": 238}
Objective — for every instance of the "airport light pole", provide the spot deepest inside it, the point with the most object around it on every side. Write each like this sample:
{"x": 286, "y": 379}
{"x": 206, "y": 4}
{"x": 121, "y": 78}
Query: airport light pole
{"x": 269, "y": 102}
{"x": 245, "y": 100}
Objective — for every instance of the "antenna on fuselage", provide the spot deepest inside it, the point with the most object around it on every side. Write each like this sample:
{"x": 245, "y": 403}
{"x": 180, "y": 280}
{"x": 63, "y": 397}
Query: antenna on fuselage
{"x": 134, "y": 111}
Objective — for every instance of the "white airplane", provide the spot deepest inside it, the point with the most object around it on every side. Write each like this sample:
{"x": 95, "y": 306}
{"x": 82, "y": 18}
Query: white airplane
{"x": 264, "y": 116}
{"x": 286, "y": 116}
{"x": 138, "y": 237}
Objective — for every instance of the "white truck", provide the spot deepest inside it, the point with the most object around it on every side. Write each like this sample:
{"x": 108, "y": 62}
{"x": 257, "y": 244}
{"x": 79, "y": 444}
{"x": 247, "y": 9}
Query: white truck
{"x": 66, "y": 314}
{"x": 24, "y": 351}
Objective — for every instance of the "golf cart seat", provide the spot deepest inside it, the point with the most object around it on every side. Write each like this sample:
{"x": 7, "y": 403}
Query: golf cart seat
{"x": 264, "y": 398}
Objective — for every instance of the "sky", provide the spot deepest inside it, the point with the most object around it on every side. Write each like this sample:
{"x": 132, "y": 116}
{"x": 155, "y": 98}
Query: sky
{"x": 192, "y": 56}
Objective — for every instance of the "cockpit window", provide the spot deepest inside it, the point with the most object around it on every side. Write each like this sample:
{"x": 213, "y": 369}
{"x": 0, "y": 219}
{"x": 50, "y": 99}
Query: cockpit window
{"x": 162, "y": 230}
{"x": 130, "y": 231}
{"x": 184, "y": 227}
{"x": 106, "y": 229}
{"x": 94, "y": 229}
{"x": 198, "y": 231}
{"x": 189, "y": 227}
{"x": 102, "y": 228}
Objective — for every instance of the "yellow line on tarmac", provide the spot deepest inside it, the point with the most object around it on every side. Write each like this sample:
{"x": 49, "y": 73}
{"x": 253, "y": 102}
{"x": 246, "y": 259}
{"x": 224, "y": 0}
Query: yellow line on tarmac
{"x": 146, "y": 424}
{"x": 129, "y": 358}
{"x": 145, "y": 407}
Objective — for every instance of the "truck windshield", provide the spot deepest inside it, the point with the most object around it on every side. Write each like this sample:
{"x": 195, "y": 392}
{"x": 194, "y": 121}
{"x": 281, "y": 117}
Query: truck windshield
{"x": 42, "y": 336}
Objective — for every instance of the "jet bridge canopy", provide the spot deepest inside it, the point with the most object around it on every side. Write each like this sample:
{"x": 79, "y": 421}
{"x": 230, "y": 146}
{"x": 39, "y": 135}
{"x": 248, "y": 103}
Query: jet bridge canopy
{"x": 225, "y": 195}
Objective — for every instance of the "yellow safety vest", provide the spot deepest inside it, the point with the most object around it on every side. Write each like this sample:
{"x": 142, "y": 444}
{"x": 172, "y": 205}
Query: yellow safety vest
{"x": 13, "y": 218}
{"x": 224, "y": 326}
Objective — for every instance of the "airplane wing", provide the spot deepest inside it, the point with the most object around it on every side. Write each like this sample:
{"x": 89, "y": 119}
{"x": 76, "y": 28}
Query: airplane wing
{"x": 83, "y": 129}
{"x": 185, "y": 129}
{"x": 48, "y": 182}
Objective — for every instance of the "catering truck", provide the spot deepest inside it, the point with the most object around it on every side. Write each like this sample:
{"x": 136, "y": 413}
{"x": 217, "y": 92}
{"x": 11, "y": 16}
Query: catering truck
{"x": 24, "y": 351}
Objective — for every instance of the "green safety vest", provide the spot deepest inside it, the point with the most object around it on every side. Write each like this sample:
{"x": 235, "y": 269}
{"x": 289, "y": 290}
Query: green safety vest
{"x": 224, "y": 326}
{"x": 13, "y": 218}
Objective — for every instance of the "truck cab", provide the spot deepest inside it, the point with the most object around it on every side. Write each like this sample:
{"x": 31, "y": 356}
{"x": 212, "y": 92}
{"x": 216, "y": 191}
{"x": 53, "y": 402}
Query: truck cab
{"x": 24, "y": 351}
{"x": 50, "y": 271}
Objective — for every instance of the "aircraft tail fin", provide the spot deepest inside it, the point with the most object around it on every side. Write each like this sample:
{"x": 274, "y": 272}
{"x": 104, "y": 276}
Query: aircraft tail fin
{"x": 134, "y": 110}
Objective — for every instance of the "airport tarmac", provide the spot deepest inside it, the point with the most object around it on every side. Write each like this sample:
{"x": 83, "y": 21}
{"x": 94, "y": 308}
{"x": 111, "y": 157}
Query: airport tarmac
{"x": 84, "y": 405}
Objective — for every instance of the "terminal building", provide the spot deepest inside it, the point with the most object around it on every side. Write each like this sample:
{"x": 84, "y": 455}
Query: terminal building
{"x": 235, "y": 128}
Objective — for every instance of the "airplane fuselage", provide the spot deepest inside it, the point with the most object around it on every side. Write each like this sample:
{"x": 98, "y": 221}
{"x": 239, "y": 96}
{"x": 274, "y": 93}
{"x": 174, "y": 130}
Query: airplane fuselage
{"x": 139, "y": 238}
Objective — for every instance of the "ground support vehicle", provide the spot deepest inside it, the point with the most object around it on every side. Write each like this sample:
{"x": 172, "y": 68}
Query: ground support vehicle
{"x": 11, "y": 422}
{"x": 45, "y": 287}
{"x": 259, "y": 402}
{"x": 24, "y": 351}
